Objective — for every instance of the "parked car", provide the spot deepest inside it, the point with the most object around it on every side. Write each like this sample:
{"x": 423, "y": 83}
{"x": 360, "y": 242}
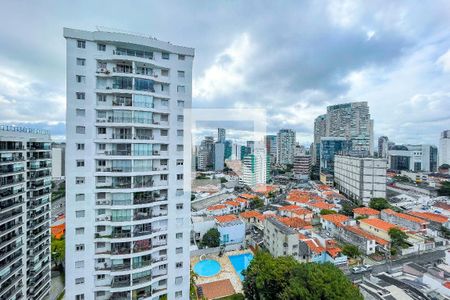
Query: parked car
{"x": 357, "y": 270}
{"x": 367, "y": 267}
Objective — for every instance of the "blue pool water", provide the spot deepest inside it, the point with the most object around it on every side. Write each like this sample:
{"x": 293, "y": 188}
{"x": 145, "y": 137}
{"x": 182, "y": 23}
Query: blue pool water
{"x": 240, "y": 262}
{"x": 207, "y": 267}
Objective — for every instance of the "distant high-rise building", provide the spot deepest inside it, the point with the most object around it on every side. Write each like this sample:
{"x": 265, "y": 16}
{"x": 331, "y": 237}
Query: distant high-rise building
{"x": 219, "y": 155}
{"x": 444, "y": 148}
{"x": 254, "y": 167}
{"x": 221, "y": 135}
{"x": 127, "y": 213}
{"x": 245, "y": 151}
{"x": 271, "y": 147}
{"x": 25, "y": 191}
{"x": 205, "y": 154}
{"x": 302, "y": 166}
{"x": 329, "y": 147}
{"x": 236, "y": 152}
{"x": 413, "y": 158}
{"x": 251, "y": 146}
{"x": 228, "y": 149}
{"x": 285, "y": 146}
{"x": 383, "y": 146}
{"x": 320, "y": 131}
{"x": 58, "y": 160}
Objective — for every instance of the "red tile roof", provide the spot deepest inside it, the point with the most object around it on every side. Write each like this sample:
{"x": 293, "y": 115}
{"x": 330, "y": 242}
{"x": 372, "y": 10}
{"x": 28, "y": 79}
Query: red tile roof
{"x": 369, "y": 236}
{"x": 380, "y": 224}
{"x": 442, "y": 205}
{"x": 250, "y": 214}
{"x": 438, "y": 218}
{"x": 241, "y": 200}
{"x": 232, "y": 203}
{"x": 217, "y": 289}
{"x": 294, "y": 222}
{"x": 447, "y": 284}
{"x": 247, "y": 196}
{"x": 226, "y": 218}
{"x": 336, "y": 219}
{"x": 321, "y": 205}
{"x": 405, "y": 216}
{"x": 216, "y": 207}
{"x": 366, "y": 211}
{"x": 314, "y": 246}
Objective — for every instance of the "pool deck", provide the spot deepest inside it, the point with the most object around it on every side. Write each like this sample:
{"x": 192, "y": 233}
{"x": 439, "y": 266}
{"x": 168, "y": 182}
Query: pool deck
{"x": 227, "y": 271}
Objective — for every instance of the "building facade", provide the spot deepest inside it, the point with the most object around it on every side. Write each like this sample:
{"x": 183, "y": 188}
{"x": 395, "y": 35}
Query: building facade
{"x": 219, "y": 156}
{"x": 360, "y": 178}
{"x": 302, "y": 166}
{"x": 383, "y": 146}
{"x": 279, "y": 239}
{"x": 329, "y": 147}
{"x": 127, "y": 215}
{"x": 221, "y": 135}
{"x": 285, "y": 147}
{"x": 25, "y": 191}
{"x": 58, "y": 160}
{"x": 444, "y": 148}
{"x": 255, "y": 168}
{"x": 413, "y": 158}
{"x": 271, "y": 147}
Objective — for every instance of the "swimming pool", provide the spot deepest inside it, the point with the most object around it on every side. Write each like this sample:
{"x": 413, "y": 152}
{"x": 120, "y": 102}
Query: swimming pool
{"x": 207, "y": 267}
{"x": 240, "y": 262}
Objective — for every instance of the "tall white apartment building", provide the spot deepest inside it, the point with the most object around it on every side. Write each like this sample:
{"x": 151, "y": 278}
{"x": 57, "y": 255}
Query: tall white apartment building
{"x": 360, "y": 178}
{"x": 127, "y": 216}
{"x": 444, "y": 148}
{"x": 254, "y": 166}
{"x": 25, "y": 187}
{"x": 285, "y": 147}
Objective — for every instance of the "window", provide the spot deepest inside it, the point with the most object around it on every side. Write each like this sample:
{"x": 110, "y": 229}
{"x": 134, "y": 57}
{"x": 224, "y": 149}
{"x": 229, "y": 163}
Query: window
{"x": 79, "y": 230}
{"x": 179, "y": 206}
{"x": 101, "y": 47}
{"x": 80, "y": 78}
{"x": 179, "y": 235}
{"x": 164, "y": 102}
{"x": 101, "y": 130}
{"x": 180, "y": 118}
{"x": 180, "y": 74}
{"x": 179, "y": 147}
{"x": 101, "y": 276}
{"x": 164, "y": 132}
{"x": 101, "y": 98}
{"x": 79, "y": 297}
{"x": 80, "y": 213}
{"x": 163, "y": 177}
{"x": 178, "y": 280}
{"x": 80, "y": 163}
{"x": 80, "y": 112}
{"x": 79, "y": 247}
{"x": 101, "y": 146}
{"x": 179, "y": 265}
{"x": 181, "y": 57}
{"x": 165, "y": 55}
{"x": 179, "y": 250}
{"x": 179, "y": 132}
{"x": 79, "y": 280}
{"x": 81, "y": 44}
{"x": 165, "y": 72}
{"x": 179, "y": 176}
{"x": 181, "y": 89}
{"x": 80, "y": 129}
{"x": 179, "y": 162}
{"x": 178, "y": 294}
{"x": 79, "y": 264}
{"x": 80, "y": 95}
{"x": 79, "y": 180}
{"x": 180, "y": 103}
{"x": 81, "y": 62}
{"x": 179, "y": 192}
{"x": 164, "y": 147}
{"x": 80, "y": 146}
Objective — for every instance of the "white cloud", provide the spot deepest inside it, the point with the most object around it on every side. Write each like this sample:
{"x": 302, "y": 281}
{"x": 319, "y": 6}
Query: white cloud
{"x": 444, "y": 61}
{"x": 228, "y": 71}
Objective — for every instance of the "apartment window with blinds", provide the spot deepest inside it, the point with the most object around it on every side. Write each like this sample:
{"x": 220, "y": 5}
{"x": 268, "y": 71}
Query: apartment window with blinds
{"x": 81, "y": 44}
{"x": 165, "y": 55}
{"x": 80, "y": 112}
{"x": 181, "y": 89}
{"x": 79, "y": 230}
{"x": 181, "y": 57}
{"x": 80, "y": 146}
{"x": 81, "y": 61}
{"x": 180, "y": 74}
{"x": 80, "y": 95}
{"x": 101, "y": 47}
{"x": 79, "y": 280}
{"x": 80, "y": 78}
{"x": 80, "y": 129}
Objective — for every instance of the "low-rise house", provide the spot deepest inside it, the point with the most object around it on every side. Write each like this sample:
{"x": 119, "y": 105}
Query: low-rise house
{"x": 279, "y": 239}
{"x": 298, "y": 197}
{"x": 366, "y": 242}
{"x": 318, "y": 249}
{"x": 317, "y": 206}
{"x": 365, "y": 212}
{"x": 200, "y": 225}
{"x": 217, "y": 210}
{"x": 296, "y": 211}
{"x": 295, "y": 223}
{"x": 442, "y": 208}
{"x": 436, "y": 221}
{"x": 404, "y": 220}
{"x": 231, "y": 229}
{"x": 253, "y": 217}
{"x": 243, "y": 202}
{"x": 333, "y": 222}
{"x": 234, "y": 206}
{"x": 378, "y": 227}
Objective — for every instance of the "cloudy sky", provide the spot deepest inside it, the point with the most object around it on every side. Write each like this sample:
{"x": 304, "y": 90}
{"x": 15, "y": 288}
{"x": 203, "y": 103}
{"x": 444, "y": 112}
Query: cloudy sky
{"x": 291, "y": 57}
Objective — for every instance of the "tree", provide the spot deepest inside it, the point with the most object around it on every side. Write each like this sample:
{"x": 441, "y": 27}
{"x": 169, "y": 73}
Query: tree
{"x": 58, "y": 250}
{"x": 379, "y": 203}
{"x": 223, "y": 180}
{"x": 444, "y": 190}
{"x": 211, "y": 238}
{"x": 351, "y": 250}
{"x": 256, "y": 203}
{"x": 347, "y": 209}
{"x": 327, "y": 212}
{"x": 398, "y": 237}
{"x": 285, "y": 278}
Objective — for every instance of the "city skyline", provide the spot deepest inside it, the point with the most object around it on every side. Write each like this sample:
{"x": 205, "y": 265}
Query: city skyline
{"x": 397, "y": 62}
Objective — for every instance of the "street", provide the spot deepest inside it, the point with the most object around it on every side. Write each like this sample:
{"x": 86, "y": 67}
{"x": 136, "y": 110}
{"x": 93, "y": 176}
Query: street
{"x": 424, "y": 258}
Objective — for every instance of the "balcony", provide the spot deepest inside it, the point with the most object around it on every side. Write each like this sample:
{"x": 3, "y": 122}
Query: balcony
{"x": 120, "y": 283}
{"x": 133, "y": 53}
{"x": 14, "y": 158}
{"x": 142, "y": 279}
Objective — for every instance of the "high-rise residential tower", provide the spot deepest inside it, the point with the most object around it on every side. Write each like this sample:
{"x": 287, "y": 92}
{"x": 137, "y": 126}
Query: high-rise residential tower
{"x": 271, "y": 147}
{"x": 320, "y": 131}
{"x": 127, "y": 215}
{"x": 285, "y": 147}
{"x": 221, "y": 135}
{"x": 25, "y": 188}
{"x": 383, "y": 146}
{"x": 444, "y": 148}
